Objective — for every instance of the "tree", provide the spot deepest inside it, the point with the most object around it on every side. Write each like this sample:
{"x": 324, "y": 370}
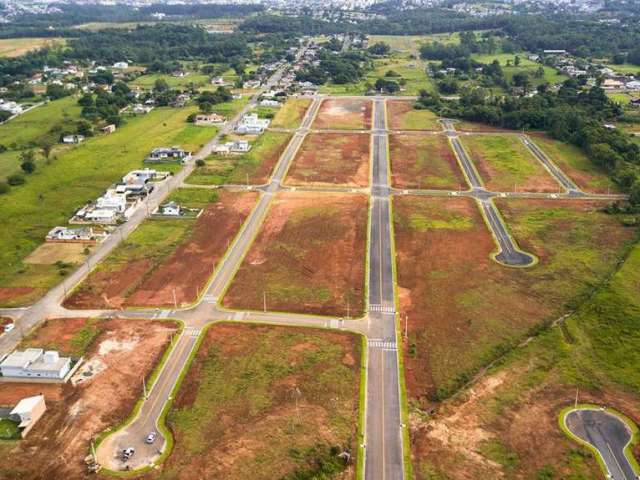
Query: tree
{"x": 160, "y": 85}
{"x": 516, "y": 61}
{"x": 86, "y": 100}
{"x": 15, "y": 179}
{"x": 84, "y": 128}
{"x": 28, "y": 167}
{"x": 379, "y": 48}
{"x": 634, "y": 56}
{"x": 55, "y": 91}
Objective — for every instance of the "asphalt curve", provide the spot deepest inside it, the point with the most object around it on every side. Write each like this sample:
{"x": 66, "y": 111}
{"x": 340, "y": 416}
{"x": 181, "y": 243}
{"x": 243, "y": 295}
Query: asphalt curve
{"x": 606, "y": 433}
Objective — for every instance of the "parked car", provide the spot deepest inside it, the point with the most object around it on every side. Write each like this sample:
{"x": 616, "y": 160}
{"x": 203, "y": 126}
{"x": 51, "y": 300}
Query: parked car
{"x": 127, "y": 453}
{"x": 8, "y": 327}
{"x": 151, "y": 438}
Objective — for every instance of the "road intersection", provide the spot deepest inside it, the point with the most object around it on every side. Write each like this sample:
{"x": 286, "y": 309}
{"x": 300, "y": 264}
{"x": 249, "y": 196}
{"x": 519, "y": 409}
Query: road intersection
{"x": 384, "y": 429}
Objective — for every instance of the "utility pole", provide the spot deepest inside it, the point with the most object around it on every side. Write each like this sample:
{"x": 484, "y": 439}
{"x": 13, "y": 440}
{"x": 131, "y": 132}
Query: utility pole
{"x": 264, "y": 300}
{"x": 576, "y": 402}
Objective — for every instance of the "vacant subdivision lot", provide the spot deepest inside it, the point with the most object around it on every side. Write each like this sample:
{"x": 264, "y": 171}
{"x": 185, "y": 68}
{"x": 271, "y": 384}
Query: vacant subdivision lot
{"x": 290, "y": 115}
{"x": 492, "y": 429}
{"x": 332, "y": 159}
{"x": 120, "y": 353}
{"x": 463, "y": 309}
{"x": 424, "y": 161}
{"x": 265, "y": 403}
{"x": 505, "y": 164}
{"x": 575, "y": 163}
{"x": 309, "y": 257}
{"x": 167, "y": 257}
{"x": 344, "y": 114}
{"x": 55, "y": 191}
{"x": 254, "y": 167}
{"x": 402, "y": 116}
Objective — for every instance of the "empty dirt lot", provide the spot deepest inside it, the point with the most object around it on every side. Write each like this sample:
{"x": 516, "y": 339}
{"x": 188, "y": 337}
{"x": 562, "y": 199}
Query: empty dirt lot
{"x": 332, "y": 159}
{"x": 344, "y": 114}
{"x": 265, "y": 403}
{"x": 144, "y": 280}
{"x": 462, "y": 307}
{"x": 424, "y": 161}
{"x": 121, "y": 353}
{"x": 309, "y": 257}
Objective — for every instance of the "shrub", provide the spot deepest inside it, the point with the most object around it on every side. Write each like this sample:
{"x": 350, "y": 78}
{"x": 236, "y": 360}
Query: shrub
{"x": 15, "y": 179}
{"x": 4, "y": 188}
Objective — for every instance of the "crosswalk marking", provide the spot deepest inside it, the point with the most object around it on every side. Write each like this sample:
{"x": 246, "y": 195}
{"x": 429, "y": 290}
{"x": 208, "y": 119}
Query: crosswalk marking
{"x": 382, "y": 308}
{"x": 192, "y": 331}
{"x": 384, "y": 344}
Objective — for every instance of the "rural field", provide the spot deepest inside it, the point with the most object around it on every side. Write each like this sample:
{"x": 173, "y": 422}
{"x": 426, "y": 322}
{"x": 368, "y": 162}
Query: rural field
{"x": 267, "y": 402}
{"x": 505, "y": 164}
{"x": 309, "y": 257}
{"x": 464, "y": 309}
{"x": 332, "y": 159}
{"x": 167, "y": 257}
{"x": 344, "y": 114}
{"x": 15, "y": 47}
{"x": 575, "y": 163}
{"x": 402, "y": 116}
{"x": 148, "y": 81}
{"x": 54, "y": 192}
{"x": 291, "y": 114}
{"x": 120, "y": 354}
{"x": 424, "y": 161}
{"x": 492, "y": 428}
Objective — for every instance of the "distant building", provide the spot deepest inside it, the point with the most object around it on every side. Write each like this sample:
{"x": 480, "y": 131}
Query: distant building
{"x": 269, "y": 103}
{"x": 65, "y": 234}
{"x": 240, "y": 146}
{"x": 109, "y": 129}
{"x": 251, "y": 124}
{"x": 35, "y": 363}
{"x": 209, "y": 119}
{"x": 163, "y": 154}
{"x": 27, "y": 412}
{"x": 73, "y": 139}
{"x": 121, "y": 65}
{"x": 171, "y": 209}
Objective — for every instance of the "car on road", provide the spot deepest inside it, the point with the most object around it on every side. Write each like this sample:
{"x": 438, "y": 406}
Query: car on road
{"x": 127, "y": 453}
{"x": 8, "y": 327}
{"x": 151, "y": 438}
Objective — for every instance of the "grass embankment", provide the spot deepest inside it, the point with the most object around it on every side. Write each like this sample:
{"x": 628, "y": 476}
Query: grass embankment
{"x": 267, "y": 402}
{"x": 290, "y": 115}
{"x": 254, "y": 167}
{"x": 505, "y": 164}
{"x": 594, "y": 352}
{"x": 54, "y": 192}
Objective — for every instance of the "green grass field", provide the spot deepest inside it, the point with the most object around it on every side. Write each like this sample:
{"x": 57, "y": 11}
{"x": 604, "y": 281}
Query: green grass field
{"x": 148, "y": 81}
{"x": 526, "y": 66}
{"x": 254, "y": 166}
{"x": 575, "y": 163}
{"x": 9, "y": 430}
{"x": 287, "y": 396}
{"x": 56, "y": 191}
{"x": 622, "y": 98}
{"x": 625, "y": 68}
{"x": 15, "y": 47}
{"x": 290, "y": 115}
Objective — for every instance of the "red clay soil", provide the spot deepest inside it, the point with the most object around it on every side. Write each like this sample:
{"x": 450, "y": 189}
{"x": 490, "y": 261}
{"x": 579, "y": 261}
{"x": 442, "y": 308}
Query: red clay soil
{"x": 186, "y": 270}
{"x": 12, "y": 294}
{"x": 461, "y": 305}
{"x": 332, "y": 159}
{"x": 55, "y": 448}
{"x": 424, "y": 161}
{"x": 189, "y": 268}
{"x": 308, "y": 258}
{"x": 341, "y": 114}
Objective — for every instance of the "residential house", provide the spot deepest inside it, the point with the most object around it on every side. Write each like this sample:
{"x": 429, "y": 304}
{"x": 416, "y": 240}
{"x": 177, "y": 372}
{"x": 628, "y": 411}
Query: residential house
{"x": 635, "y": 103}
{"x": 269, "y": 103}
{"x": 611, "y": 84}
{"x": 109, "y": 129}
{"x": 139, "y": 109}
{"x": 35, "y": 363}
{"x": 219, "y": 81}
{"x": 27, "y": 412}
{"x": 209, "y": 119}
{"x": 223, "y": 149}
{"x": 11, "y": 107}
{"x": 633, "y": 85}
{"x": 73, "y": 138}
{"x": 179, "y": 73}
{"x": 121, "y": 65}
{"x": 164, "y": 154}
{"x": 171, "y": 209}
{"x": 65, "y": 234}
{"x": 251, "y": 124}
{"x": 239, "y": 146}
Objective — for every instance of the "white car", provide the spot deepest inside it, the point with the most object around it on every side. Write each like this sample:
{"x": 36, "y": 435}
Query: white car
{"x": 127, "y": 453}
{"x": 8, "y": 327}
{"x": 151, "y": 438}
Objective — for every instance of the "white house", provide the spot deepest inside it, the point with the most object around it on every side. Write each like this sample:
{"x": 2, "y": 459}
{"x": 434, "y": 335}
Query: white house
{"x": 171, "y": 209}
{"x": 269, "y": 103}
{"x": 35, "y": 363}
{"x": 163, "y": 153}
{"x": 112, "y": 200}
{"x": 251, "y": 124}
{"x": 240, "y": 146}
{"x": 121, "y": 65}
{"x": 65, "y": 234}
{"x": 101, "y": 215}
{"x": 28, "y": 411}
{"x": 11, "y": 107}
{"x": 223, "y": 149}
{"x": 209, "y": 119}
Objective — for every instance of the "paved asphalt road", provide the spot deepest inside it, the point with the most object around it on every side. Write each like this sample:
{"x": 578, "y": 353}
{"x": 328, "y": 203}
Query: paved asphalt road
{"x": 558, "y": 174}
{"x": 383, "y": 432}
{"x": 608, "y": 434}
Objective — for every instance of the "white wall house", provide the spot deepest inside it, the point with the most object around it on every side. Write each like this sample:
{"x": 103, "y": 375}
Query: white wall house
{"x": 35, "y": 363}
{"x": 27, "y": 412}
